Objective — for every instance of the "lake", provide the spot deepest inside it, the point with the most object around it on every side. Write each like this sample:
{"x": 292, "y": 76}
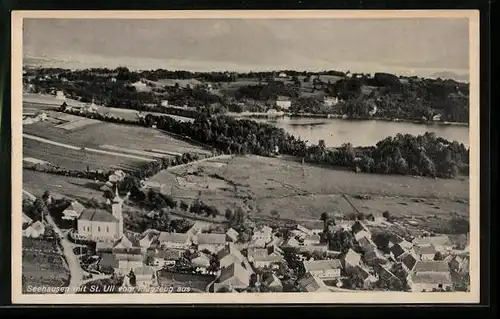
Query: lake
{"x": 335, "y": 132}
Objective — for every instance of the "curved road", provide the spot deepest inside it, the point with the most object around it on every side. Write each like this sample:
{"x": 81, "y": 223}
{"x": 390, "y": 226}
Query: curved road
{"x": 76, "y": 271}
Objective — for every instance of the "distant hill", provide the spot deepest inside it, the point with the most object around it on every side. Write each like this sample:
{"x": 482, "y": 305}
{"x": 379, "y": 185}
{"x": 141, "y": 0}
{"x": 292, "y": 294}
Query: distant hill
{"x": 450, "y": 75}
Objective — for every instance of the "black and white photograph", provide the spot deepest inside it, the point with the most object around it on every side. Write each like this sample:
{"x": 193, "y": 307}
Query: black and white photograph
{"x": 309, "y": 157}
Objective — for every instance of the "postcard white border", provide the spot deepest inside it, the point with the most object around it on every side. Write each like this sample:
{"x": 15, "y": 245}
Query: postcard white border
{"x": 248, "y": 298}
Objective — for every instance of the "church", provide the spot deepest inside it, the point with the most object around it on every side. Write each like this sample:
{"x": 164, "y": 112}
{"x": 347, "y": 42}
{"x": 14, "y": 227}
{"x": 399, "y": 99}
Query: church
{"x": 100, "y": 225}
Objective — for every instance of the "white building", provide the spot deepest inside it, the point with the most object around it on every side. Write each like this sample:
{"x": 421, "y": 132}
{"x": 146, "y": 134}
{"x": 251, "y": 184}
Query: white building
{"x": 330, "y": 100}
{"x": 164, "y": 103}
{"x": 211, "y": 242}
{"x": 430, "y": 275}
{"x": 101, "y": 225}
{"x": 60, "y": 95}
{"x": 324, "y": 269}
{"x": 174, "y": 240}
{"x": 283, "y": 102}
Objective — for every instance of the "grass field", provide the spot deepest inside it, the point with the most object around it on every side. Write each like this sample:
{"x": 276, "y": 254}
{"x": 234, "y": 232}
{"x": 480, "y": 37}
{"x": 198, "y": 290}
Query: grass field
{"x": 43, "y": 265}
{"x": 60, "y": 186}
{"x": 302, "y": 193}
{"x": 108, "y": 145}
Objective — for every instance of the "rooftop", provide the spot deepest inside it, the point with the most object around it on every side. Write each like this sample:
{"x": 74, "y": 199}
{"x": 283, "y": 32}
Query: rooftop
{"x": 322, "y": 264}
{"x": 97, "y": 215}
{"x": 309, "y": 283}
{"x": 409, "y": 261}
{"x": 208, "y": 239}
{"x": 237, "y": 271}
{"x": 431, "y": 266}
{"x": 178, "y": 238}
{"x": 424, "y": 250}
{"x": 432, "y": 278}
{"x": 397, "y": 250}
{"x": 433, "y": 240}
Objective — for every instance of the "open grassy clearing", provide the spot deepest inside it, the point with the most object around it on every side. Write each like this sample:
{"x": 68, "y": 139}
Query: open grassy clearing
{"x": 76, "y": 159}
{"x": 60, "y": 186}
{"x": 302, "y": 192}
{"x": 125, "y": 136}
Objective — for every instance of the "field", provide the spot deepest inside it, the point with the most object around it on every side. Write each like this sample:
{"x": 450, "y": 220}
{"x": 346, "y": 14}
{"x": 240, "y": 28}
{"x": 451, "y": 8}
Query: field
{"x": 107, "y": 145}
{"x": 60, "y": 186}
{"x": 302, "y": 193}
{"x": 43, "y": 265}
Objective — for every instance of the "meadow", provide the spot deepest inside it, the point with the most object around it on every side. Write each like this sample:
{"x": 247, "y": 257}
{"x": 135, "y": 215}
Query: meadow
{"x": 303, "y": 192}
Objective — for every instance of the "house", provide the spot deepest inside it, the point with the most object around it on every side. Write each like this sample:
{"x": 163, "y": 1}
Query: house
{"x": 459, "y": 264}
{"x": 304, "y": 230}
{"x": 408, "y": 262}
{"x": 148, "y": 238}
{"x": 426, "y": 252}
{"x": 202, "y": 261}
{"x": 125, "y": 262}
{"x": 164, "y": 103}
{"x": 351, "y": 260}
{"x": 265, "y": 257}
{"x": 229, "y": 255}
{"x": 211, "y": 242}
{"x": 430, "y": 276}
{"x": 374, "y": 257}
{"x": 440, "y": 243}
{"x": 291, "y": 242}
{"x": 73, "y": 211}
{"x": 360, "y": 230}
{"x": 101, "y": 225}
{"x": 330, "y": 100}
{"x": 397, "y": 251}
{"x": 282, "y": 75}
{"x": 60, "y": 95}
{"x": 367, "y": 244}
{"x": 273, "y": 283}
{"x": 388, "y": 278}
{"x": 436, "y": 117}
{"x": 145, "y": 276}
{"x": 235, "y": 276}
{"x": 232, "y": 235}
{"x": 262, "y": 236}
{"x": 320, "y": 248}
{"x": 311, "y": 240}
{"x": 283, "y": 102}
{"x": 156, "y": 186}
{"x": 310, "y": 283}
{"x": 174, "y": 240}
{"x": 164, "y": 258}
{"x": 363, "y": 278}
{"x": 123, "y": 244}
{"x": 35, "y": 230}
{"x": 324, "y": 269}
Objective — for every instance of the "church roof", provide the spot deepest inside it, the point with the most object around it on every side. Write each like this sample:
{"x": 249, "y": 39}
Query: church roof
{"x": 97, "y": 215}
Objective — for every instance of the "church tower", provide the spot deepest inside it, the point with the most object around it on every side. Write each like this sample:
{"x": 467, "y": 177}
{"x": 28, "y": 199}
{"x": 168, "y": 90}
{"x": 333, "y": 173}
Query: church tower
{"x": 116, "y": 208}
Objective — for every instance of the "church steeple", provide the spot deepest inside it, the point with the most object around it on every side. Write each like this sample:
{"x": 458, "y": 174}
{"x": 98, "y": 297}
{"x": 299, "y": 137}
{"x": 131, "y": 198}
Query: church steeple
{"x": 117, "y": 212}
{"x": 117, "y": 198}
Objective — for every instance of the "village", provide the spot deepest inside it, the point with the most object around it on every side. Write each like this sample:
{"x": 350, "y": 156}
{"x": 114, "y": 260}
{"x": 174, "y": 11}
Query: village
{"x": 341, "y": 256}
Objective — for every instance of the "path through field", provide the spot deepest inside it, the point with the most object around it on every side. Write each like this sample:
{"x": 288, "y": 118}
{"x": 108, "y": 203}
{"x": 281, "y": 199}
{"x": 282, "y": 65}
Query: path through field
{"x": 72, "y": 147}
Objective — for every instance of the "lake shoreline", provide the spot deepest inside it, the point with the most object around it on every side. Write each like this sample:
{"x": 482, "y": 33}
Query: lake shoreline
{"x": 340, "y": 117}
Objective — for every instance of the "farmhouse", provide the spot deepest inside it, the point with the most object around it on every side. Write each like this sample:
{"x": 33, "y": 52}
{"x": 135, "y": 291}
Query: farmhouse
{"x": 35, "y": 230}
{"x": 174, "y": 240}
{"x": 229, "y": 255}
{"x": 363, "y": 277}
{"x": 73, "y": 211}
{"x": 330, "y": 100}
{"x": 324, "y": 269}
{"x": 426, "y": 252}
{"x": 283, "y": 102}
{"x": 265, "y": 257}
{"x": 202, "y": 261}
{"x": 163, "y": 258}
{"x": 148, "y": 238}
{"x": 351, "y": 260}
{"x": 210, "y": 242}
{"x": 440, "y": 243}
{"x": 100, "y": 225}
{"x": 273, "y": 283}
{"x": 360, "y": 230}
{"x": 235, "y": 276}
{"x": 310, "y": 283}
{"x": 429, "y": 276}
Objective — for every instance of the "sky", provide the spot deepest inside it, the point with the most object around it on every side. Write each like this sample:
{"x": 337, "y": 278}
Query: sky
{"x": 405, "y": 46}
